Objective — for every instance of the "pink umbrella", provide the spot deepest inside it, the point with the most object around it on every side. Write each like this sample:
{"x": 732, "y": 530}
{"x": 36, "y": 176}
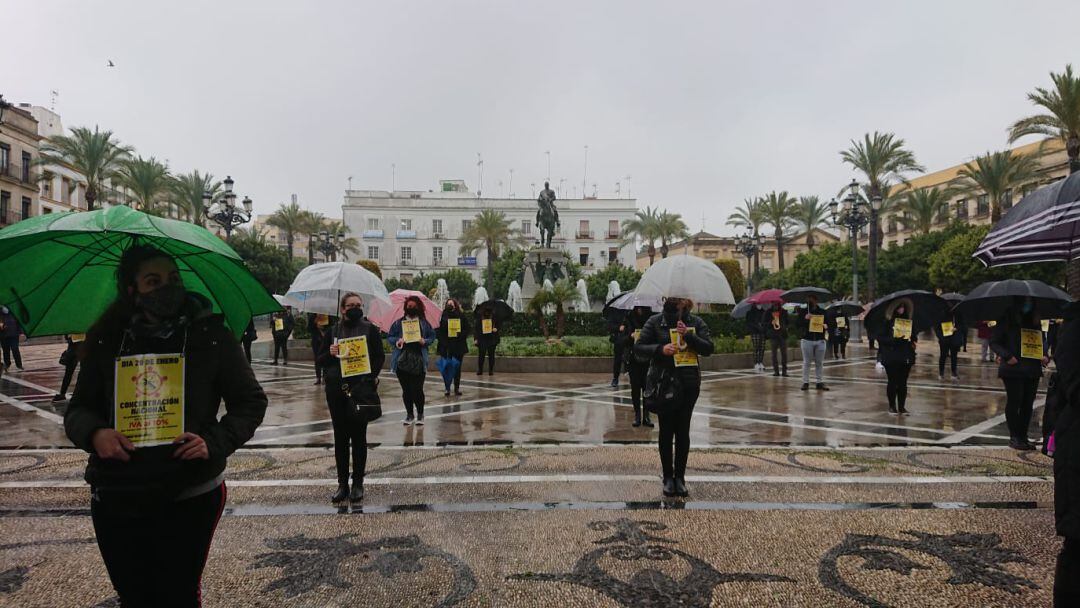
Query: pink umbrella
{"x": 384, "y": 315}
{"x": 768, "y": 296}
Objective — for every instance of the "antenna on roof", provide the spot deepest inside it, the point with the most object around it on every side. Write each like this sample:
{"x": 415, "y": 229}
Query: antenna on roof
{"x": 53, "y": 94}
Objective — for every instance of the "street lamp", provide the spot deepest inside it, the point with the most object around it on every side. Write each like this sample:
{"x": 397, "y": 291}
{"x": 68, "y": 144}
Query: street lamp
{"x": 226, "y": 213}
{"x": 854, "y": 213}
{"x": 325, "y": 243}
{"x": 749, "y": 245}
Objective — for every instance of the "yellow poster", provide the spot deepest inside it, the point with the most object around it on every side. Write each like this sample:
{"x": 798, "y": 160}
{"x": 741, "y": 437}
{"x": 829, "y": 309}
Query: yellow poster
{"x": 901, "y": 329}
{"x": 78, "y": 337}
{"x": 322, "y": 320}
{"x": 684, "y": 356}
{"x": 453, "y": 327}
{"x": 486, "y": 326}
{"x": 353, "y": 356}
{"x": 637, "y": 335}
{"x": 279, "y": 324}
{"x": 841, "y": 322}
{"x": 410, "y": 331}
{"x": 817, "y": 324}
{"x": 1031, "y": 346}
{"x": 991, "y": 323}
{"x": 947, "y": 329}
{"x": 1045, "y": 325}
{"x": 149, "y": 404}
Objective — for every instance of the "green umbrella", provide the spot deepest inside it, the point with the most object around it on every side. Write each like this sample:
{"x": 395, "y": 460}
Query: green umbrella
{"x": 59, "y": 270}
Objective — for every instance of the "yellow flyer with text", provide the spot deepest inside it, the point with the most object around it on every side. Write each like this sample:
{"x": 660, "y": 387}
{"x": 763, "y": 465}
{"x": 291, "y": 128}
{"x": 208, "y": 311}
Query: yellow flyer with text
{"x": 685, "y": 356}
{"x": 410, "y": 331}
{"x": 947, "y": 329}
{"x": 453, "y": 327}
{"x": 1045, "y": 325}
{"x": 901, "y": 329}
{"x": 486, "y": 326}
{"x": 353, "y": 356}
{"x": 637, "y": 335}
{"x": 1031, "y": 346}
{"x": 149, "y": 402}
{"x": 279, "y": 324}
{"x": 841, "y": 322}
{"x": 817, "y": 324}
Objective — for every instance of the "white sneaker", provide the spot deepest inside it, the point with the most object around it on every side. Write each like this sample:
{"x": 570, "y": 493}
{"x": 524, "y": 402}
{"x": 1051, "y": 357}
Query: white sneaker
{"x": 940, "y": 378}
{"x": 879, "y": 367}
{"x": 408, "y": 421}
{"x": 955, "y": 378}
{"x": 420, "y": 421}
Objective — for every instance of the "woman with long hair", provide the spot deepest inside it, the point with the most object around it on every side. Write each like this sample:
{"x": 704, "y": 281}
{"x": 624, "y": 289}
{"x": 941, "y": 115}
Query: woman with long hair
{"x": 453, "y": 337}
{"x": 156, "y": 366}
{"x": 896, "y": 347}
{"x": 411, "y": 335}
{"x": 360, "y": 385}
{"x": 1021, "y": 367}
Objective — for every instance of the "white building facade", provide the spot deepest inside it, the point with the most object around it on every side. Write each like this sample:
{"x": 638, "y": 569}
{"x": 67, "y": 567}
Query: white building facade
{"x": 415, "y": 232}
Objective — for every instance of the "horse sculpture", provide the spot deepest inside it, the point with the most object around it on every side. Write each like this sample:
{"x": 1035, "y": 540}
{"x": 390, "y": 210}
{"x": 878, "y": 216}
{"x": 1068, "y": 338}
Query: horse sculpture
{"x": 547, "y": 216}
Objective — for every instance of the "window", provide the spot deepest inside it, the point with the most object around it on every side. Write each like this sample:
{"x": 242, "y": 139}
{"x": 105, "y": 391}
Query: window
{"x": 5, "y": 156}
{"x": 373, "y": 252}
{"x": 25, "y": 207}
{"x": 710, "y": 254}
{"x": 982, "y": 205}
{"x": 406, "y": 224}
{"x": 892, "y": 224}
{"x": 1028, "y": 189}
{"x": 406, "y": 255}
{"x": 372, "y": 223}
{"x": 66, "y": 190}
{"x": 465, "y": 225}
{"x": 613, "y": 255}
{"x": 583, "y": 229}
{"x": 583, "y": 255}
{"x": 26, "y": 166}
{"x": 437, "y": 255}
{"x": 613, "y": 228}
{"x": 1006, "y": 199}
{"x": 5, "y": 204}
{"x": 436, "y": 226}
{"x": 526, "y": 227}
{"x": 962, "y": 209}
{"x": 45, "y": 211}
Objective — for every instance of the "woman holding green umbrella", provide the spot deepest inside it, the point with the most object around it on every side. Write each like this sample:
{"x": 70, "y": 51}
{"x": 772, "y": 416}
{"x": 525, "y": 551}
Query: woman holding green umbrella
{"x": 156, "y": 367}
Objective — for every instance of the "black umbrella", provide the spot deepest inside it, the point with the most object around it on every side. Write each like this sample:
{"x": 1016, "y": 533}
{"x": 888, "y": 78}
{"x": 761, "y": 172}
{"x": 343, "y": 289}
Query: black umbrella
{"x": 847, "y": 308}
{"x": 991, "y": 300}
{"x": 927, "y": 310}
{"x": 1043, "y": 227}
{"x": 500, "y": 311}
{"x": 741, "y": 309}
{"x": 953, "y": 297}
{"x": 800, "y": 294}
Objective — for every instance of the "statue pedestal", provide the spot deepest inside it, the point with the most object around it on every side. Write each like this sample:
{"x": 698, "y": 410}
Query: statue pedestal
{"x": 541, "y": 264}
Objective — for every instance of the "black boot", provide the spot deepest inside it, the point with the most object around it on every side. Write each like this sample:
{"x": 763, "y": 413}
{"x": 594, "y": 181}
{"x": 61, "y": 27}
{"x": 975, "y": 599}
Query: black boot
{"x": 357, "y": 493}
{"x": 646, "y": 421}
{"x": 680, "y": 487}
{"x": 637, "y": 419}
{"x": 669, "y": 487}
{"x": 341, "y": 494}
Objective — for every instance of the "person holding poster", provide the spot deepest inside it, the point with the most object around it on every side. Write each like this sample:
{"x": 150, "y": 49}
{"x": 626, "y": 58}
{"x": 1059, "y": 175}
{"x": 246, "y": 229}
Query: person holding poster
{"x": 636, "y": 368}
{"x": 839, "y": 325}
{"x": 655, "y": 345}
{"x": 776, "y": 330}
{"x": 412, "y": 335}
{"x": 1017, "y": 341}
{"x": 281, "y": 327}
{"x": 486, "y": 340}
{"x": 156, "y": 366}
{"x": 951, "y": 334}
{"x": 896, "y": 348}
{"x": 351, "y": 357}
{"x": 453, "y": 337}
{"x": 812, "y": 321}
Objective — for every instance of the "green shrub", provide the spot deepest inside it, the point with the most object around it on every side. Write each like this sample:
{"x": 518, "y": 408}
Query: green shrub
{"x": 593, "y": 346}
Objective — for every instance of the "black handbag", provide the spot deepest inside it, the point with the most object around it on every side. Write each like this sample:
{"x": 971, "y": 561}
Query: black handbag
{"x": 411, "y": 362}
{"x": 67, "y": 357}
{"x": 663, "y": 391}
{"x": 363, "y": 398}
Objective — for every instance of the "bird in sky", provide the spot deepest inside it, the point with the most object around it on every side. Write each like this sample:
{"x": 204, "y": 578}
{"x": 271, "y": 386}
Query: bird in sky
{"x": 111, "y": 64}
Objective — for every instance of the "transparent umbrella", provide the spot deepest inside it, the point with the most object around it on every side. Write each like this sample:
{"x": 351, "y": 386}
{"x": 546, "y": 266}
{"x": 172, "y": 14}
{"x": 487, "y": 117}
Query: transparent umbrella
{"x": 319, "y": 287}
{"x": 686, "y": 276}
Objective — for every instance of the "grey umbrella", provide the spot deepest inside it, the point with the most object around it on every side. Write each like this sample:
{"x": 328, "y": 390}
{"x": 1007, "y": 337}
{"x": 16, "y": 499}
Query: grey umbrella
{"x": 741, "y": 309}
{"x": 847, "y": 308}
{"x": 800, "y": 294}
{"x": 1043, "y": 227}
{"x": 953, "y": 297}
{"x": 990, "y": 301}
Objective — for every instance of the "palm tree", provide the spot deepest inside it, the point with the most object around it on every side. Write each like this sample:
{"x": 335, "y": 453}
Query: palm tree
{"x": 1062, "y": 117}
{"x": 751, "y": 217}
{"x": 922, "y": 208}
{"x": 669, "y": 228}
{"x": 311, "y": 225}
{"x": 642, "y": 226}
{"x": 997, "y": 172}
{"x": 95, "y": 154}
{"x": 189, "y": 188}
{"x": 491, "y": 231}
{"x": 809, "y": 214}
{"x": 561, "y": 294}
{"x": 779, "y": 211}
{"x": 345, "y": 245}
{"x": 291, "y": 220}
{"x": 148, "y": 179}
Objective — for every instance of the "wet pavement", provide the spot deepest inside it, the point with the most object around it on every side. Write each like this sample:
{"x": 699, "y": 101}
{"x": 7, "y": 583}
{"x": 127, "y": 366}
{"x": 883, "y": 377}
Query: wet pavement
{"x": 534, "y": 490}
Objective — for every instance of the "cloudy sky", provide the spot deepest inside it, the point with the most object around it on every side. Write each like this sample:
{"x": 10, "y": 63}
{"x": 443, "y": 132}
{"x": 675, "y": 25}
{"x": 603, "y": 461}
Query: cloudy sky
{"x": 702, "y": 104}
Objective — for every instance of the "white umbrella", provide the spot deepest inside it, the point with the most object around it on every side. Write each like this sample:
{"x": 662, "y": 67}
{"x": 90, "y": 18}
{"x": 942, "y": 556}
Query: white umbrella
{"x": 686, "y": 276}
{"x": 319, "y": 287}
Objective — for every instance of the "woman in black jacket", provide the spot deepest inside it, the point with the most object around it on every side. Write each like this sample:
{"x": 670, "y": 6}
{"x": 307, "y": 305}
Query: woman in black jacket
{"x": 896, "y": 348}
{"x": 755, "y": 326}
{"x": 1067, "y": 462}
{"x": 1020, "y": 369}
{"x": 950, "y": 343}
{"x": 454, "y": 346}
{"x": 776, "y": 330}
{"x": 350, "y": 428}
{"x": 657, "y": 346}
{"x": 637, "y": 368}
{"x": 156, "y": 469}
{"x": 281, "y": 328}
{"x": 486, "y": 340}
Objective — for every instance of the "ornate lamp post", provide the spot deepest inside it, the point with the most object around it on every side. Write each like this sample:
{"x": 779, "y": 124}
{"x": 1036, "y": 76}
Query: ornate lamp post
{"x": 326, "y": 244}
{"x": 854, "y": 213}
{"x": 749, "y": 245}
{"x": 225, "y": 212}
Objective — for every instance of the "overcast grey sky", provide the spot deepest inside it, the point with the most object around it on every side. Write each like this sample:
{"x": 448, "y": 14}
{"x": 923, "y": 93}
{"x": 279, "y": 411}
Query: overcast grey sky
{"x": 703, "y": 104}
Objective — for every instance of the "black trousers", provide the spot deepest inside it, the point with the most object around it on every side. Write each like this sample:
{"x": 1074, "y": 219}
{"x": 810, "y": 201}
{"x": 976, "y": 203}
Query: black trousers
{"x": 617, "y": 361}
{"x": 350, "y": 436}
{"x": 675, "y": 428}
{"x": 247, "y": 349}
{"x": 412, "y": 392}
{"x": 155, "y": 555}
{"x": 896, "y": 390}
{"x": 486, "y": 350}
{"x": 315, "y": 349}
{"x": 778, "y": 344}
{"x": 1019, "y": 401}
{"x": 281, "y": 345}
{"x": 1067, "y": 575}
{"x": 838, "y": 346}
{"x": 947, "y": 351}
{"x": 637, "y": 385}
{"x": 10, "y": 346}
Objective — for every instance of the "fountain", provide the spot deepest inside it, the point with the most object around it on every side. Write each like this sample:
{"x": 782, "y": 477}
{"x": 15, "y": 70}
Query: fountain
{"x": 550, "y": 308}
{"x": 480, "y": 296}
{"x": 582, "y": 303}
{"x": 513, "y": 297}
{"x": 613, "y": 290}
{"x": 442, "y": 293}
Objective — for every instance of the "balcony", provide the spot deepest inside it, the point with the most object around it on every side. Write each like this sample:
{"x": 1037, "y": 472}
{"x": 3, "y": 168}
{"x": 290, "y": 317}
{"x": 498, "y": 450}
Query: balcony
{"x": 613, "y": 236}
{"x": 584, "y": 235}
{"x": 406, "y": 263}
{"x": 18, "y": 173}
{"x": 438, "y": 262}
{"x": 438, "y": 236}
{"x": 372, "y": 234}
{"x": 406, "y": 234}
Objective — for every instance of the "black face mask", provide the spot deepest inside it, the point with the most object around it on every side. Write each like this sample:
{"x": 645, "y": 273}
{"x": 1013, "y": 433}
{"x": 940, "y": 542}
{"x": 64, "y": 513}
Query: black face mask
{"x": 165, "y": 302}
{"x": 354, "y": 315}
{"x": 411, "y": 311}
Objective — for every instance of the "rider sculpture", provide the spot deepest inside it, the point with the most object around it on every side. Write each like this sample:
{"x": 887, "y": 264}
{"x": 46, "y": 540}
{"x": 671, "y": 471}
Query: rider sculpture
{"x": 547, "y": 216}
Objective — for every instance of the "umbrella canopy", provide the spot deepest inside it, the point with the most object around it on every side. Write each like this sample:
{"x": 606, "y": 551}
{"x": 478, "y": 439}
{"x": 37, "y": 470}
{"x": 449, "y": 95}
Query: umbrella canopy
{"x": 500, "y": 310}
{"x": 928, "y": 310}
{"x": 686, "y": 276}
{"x": 953, "y": 297}
{"x": 385, "y": 313}
{"x": 768, "y": 296}
{"x": 60, "y": 268}
{"x": 1043, "y": 227}
{"x": 799, "y": 295}
{"x": 991, "y": 300}
{"x": 742, "y": 309}
{"x": 629, "y": 300}
{"x": 846, "y": 308}
{"x": 319, "y": 287}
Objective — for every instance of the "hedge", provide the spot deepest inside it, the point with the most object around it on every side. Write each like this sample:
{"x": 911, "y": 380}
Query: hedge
{"x": 593, "y": 324}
